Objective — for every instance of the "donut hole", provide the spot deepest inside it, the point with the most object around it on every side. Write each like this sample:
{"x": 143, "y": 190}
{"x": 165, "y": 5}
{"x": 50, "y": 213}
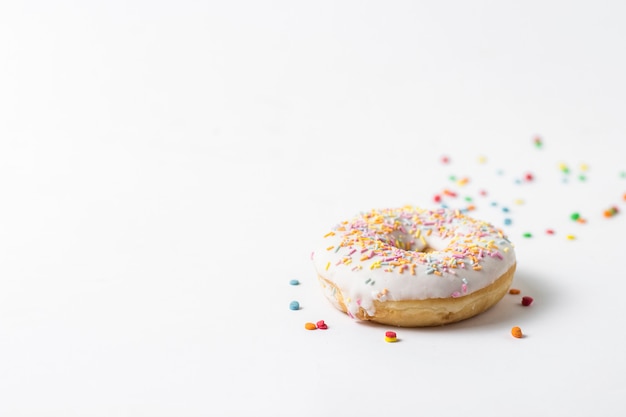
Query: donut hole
{"x": 408, "y": 242}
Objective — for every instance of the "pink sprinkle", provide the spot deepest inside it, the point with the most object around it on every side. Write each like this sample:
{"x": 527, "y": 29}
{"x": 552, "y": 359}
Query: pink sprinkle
{"x": 526, "y": 301}
{"x": 550, "y": 231}
{"x": 321, "y": 325}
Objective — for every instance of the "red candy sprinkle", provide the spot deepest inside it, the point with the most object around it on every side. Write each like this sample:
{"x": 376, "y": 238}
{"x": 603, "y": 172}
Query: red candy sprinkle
{"x": 526, "y": 301}
{"x": 321, "y": 325}
{"x": 437, "y": 198}
{"x": 528, "y": 176}
{"x": 390, "y": 334}
{"x": 550, "y": 231}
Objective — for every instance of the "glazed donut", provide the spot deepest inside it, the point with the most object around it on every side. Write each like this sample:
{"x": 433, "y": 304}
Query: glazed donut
{"x": 411, "y": 267}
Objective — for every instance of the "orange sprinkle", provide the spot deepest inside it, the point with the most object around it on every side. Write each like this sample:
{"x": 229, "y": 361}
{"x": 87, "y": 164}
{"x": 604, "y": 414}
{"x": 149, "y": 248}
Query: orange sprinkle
{"x": 329, "y": 248}
{"x": 514, "y": 291}
{"x": 310, "y": 326}
{"x": 516, "y": 332}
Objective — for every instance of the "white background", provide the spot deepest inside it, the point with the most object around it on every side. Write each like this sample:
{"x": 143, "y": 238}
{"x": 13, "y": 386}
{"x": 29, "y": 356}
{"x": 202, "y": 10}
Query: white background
{"x": 167, "y": 167}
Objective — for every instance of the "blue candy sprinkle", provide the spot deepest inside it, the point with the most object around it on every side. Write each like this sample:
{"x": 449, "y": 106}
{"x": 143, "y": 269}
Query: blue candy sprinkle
{"x": 505, "y": 209}
{"x": 294, "y": 305}
{"x": 294, "y": 282}
{"x": 508, "y": 221}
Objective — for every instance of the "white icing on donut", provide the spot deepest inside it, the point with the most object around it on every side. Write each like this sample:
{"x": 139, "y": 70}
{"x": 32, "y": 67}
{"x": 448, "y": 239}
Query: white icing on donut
{"x": 410, "y": 253}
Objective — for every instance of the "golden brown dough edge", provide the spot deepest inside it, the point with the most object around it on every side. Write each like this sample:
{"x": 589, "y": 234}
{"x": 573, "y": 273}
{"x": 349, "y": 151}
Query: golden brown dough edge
{"x": 431, "y": 312}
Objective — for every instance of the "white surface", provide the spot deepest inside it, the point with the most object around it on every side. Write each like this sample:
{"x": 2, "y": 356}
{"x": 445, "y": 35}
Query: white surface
{"x": 166, "y": 166}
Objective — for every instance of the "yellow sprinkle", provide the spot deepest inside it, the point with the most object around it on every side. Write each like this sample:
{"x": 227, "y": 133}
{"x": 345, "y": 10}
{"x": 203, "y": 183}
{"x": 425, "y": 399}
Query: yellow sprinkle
{"x": 519, "y": 201}
{"x": 327, "y": 266}
{"x": 418, "y": 234}
{"x": 584, "y": 167}
{"x": 329, "y": 234}
{"x": 571, "y": 237}
{"x": 482, "y": 159}
{"x": 329, "y": 248}
{"x": 423, "y": 240}
{"x": 391, "y": 339}
{"x": 375, "y": 265}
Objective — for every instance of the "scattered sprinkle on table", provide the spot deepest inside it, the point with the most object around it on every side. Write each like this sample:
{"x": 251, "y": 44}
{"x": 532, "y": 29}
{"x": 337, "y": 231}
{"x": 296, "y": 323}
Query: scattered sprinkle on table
{"x": 514, "y": 291}
{"x": 294, "y": 305}
{"x": 321, "y": 325}
{"x": 611, "y": 212}
{"x": 575, "y": 216}
{"x": 310, "y": 326}
{"x": 527, "y": 235}
{"x": 571, "y": 237}
{"x": 516, "y": 332}
{"x": 526, "y": 301}
{"x": 294, "y": 282}
{"x": 391, "y": 337}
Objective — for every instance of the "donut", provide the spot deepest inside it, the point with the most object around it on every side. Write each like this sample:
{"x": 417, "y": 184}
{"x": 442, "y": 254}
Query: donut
{"x": 412, "y": 267}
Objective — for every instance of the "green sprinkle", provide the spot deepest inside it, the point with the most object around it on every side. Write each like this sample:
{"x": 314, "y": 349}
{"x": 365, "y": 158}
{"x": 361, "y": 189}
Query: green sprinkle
{"x": 452, "y": 177}
{"x": 527, "y": 235}
{"x": 582, "y": 177}
{"x": 575, "y": 216}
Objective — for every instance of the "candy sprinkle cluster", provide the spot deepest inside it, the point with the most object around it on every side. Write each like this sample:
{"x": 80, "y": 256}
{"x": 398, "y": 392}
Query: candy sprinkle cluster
{"x": 397, "y": 240}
